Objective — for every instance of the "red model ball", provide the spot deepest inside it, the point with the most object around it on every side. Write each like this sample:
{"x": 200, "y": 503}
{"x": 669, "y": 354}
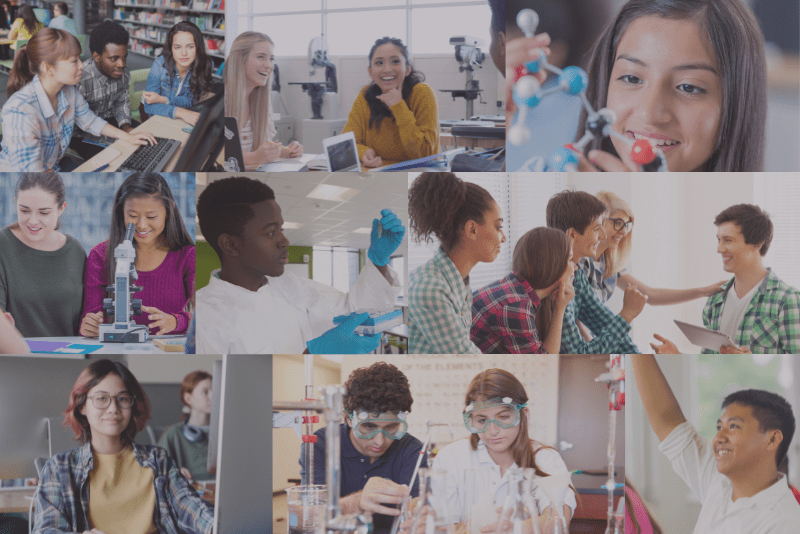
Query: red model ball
{"x": 642, "y": 153}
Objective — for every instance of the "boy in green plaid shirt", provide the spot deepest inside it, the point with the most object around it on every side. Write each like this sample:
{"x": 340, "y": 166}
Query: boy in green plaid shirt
{"x": 758, "y": 311}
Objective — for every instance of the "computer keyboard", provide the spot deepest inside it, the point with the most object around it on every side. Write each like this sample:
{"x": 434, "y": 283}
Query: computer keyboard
{"x": 151, "y": 158}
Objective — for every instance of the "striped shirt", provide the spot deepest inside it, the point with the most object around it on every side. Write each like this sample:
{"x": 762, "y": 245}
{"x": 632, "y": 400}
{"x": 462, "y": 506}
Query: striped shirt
{"x": 62, "y": 500}
{"x": 246, "y": 135}
{"x": 107, "y": 98}
{"x": 35, "y": 137}
{"x": 610, "y": 330}
{"x": 771, "y": 323}
{"x": 595, "y": 271}
{"x": 503, "y": 316}
{"x": 440, "y": 309}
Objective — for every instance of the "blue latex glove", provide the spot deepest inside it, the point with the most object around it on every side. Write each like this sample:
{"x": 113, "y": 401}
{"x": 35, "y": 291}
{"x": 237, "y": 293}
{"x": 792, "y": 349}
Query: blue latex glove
{"x": 381, "y": 248}
{"x": 344, "y": 340}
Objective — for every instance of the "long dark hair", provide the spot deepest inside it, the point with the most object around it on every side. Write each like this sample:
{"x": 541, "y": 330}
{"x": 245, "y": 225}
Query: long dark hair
{"x": 737, "y": 41}
{"x": 200, "y": 80}
{"x": 377, "y": 109}
{"x": 46, "y": 46}
{"x": 25, "y": 12}
{"x": 145, "y": 184}
{"x": 540, "y": 258}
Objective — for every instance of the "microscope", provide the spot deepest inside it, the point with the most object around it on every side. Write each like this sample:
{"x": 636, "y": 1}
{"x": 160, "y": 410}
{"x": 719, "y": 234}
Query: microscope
{"x": 122, "y": 306}
{"x": 469, "y": 57}
{"x": 324, "y": 96}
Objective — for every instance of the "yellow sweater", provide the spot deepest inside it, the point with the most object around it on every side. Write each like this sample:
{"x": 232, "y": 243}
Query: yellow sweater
{"x": 20, "y": 32}
{"x": 122, "y": 498}
{"x": 414, "y": 132}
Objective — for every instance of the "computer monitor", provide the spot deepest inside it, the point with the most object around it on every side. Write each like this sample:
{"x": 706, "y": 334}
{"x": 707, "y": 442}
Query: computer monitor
{"x": 243, "y": 499}
{"x": 206, "y": 140}
{"x": 34, "y": 390}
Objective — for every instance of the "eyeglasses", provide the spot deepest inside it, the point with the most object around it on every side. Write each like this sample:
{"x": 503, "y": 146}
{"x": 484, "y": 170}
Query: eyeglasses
{"x": 619, "y": 224}
{"x": 101, "y": 402}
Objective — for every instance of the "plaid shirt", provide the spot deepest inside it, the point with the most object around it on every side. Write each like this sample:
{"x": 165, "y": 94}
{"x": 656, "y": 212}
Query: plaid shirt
{"x": 106, "y": 96}
{"x": 34, "y": 136}
{"x": 503, "y": 318}
{"x": 179, "y": 509}
{"x": 611, "y": 331}
{"x": 596, "y": 272}
{"x": 440, "y": 309}
{"x": 771, "y": 323}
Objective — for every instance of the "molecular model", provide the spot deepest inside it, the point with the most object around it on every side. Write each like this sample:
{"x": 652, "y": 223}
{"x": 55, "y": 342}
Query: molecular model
{"x": 573, "y": 80}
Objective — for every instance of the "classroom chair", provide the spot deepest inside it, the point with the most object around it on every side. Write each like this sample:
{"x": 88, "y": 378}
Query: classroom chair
{"x": 84, "y": 40}
{"x": 137, "y": 77}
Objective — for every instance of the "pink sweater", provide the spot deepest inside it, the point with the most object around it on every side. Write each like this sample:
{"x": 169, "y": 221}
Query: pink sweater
{"x": 168, "y": 288}
{"x": 640, "y": 511}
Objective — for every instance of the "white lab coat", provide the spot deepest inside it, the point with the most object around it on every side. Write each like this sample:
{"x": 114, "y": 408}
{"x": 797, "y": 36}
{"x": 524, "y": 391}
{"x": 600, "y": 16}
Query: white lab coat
{"x": 284, "y": 314}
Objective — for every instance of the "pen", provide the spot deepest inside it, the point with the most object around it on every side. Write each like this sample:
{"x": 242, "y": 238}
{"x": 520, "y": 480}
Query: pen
{"x": 101, "y": 168}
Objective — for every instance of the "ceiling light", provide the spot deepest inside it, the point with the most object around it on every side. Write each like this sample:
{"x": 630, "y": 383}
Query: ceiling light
{"x": 333, "y": 192}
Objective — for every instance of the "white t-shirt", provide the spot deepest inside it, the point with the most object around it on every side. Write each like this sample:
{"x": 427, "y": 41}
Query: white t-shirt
{"x": 284, "y": 314}
{"x": 771, "y": 511}
{"x": 733, "y": 310}
{"x": 459, "y": 456}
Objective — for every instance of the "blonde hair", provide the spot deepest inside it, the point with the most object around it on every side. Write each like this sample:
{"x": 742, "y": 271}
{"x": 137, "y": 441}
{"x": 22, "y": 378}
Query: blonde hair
{"x": 618, "y": 257}
{"x": 235, "y": 78}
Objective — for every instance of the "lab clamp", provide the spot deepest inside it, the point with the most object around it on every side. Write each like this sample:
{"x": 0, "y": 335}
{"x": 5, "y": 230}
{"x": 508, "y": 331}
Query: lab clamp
{"x": 324, "y": 96}
{"x": 615, "y": 381}
{"x": 123, "y": 306}
{"x": 331, "y": 408}
{"x": 469, "y": 57}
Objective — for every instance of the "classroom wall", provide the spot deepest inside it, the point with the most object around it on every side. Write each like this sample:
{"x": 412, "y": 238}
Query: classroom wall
{"x": 288, "y": 373}
{"x": 441, "y": 72}
{"x": 207, "y": 261}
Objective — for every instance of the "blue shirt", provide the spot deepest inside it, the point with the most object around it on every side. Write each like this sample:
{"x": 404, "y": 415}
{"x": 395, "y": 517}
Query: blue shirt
{"x": 396, "y": 464}
{"x": 65, "y": 23}
{"x": 35, "y": 137}
{"x": 168, "y": 84}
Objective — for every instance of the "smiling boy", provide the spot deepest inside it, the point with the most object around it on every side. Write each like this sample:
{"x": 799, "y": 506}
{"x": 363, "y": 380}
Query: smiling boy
{"x": 105, "y": 84}
{"x": 735, "y": 476}
{"x": 377, "y": 455}
{"x": 757, "y": 310}
{"x": 580, "y": 215}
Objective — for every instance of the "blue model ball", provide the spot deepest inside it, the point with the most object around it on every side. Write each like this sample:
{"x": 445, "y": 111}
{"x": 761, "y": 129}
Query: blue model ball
{"x": 533, "y": 66}
{"x": 527, "y": 92}
{"x": 563, "y": 158}
{"x": 573, "y": 79}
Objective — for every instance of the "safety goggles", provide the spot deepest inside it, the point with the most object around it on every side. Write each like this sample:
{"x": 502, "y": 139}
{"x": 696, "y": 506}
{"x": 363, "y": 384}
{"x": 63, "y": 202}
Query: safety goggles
{"x": 507, "y": 417}
{"x": 367, "y": 425}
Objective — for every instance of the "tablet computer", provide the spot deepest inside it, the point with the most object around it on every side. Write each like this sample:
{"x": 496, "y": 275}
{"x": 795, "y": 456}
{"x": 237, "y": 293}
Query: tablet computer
{"x": 341, "y": 153}
{"x": 703, "y": 337}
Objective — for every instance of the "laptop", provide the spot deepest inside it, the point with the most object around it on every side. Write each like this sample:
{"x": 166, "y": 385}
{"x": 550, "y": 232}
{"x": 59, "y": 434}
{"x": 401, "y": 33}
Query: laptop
{"x": 234, "y": 159}
{"x": 341, "y": 153}
{"x": 703, "y": 337}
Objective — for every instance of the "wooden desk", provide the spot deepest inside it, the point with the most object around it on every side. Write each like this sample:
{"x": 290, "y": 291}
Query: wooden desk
{"x": 447, "y": 141}
{"x": 156, "y": 125}
{"x": 16, "y": 501}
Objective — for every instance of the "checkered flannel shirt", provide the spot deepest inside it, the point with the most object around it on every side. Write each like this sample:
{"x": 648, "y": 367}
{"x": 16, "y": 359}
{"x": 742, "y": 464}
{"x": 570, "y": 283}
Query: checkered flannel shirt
{"x": 771, "y": 323}
{"x": 503, "y": 318}
{"x": 610, "y": 330}
{"x": 62, "y": 500}
{"x": 440, "y": 309}
{"x": 106, "y": 97}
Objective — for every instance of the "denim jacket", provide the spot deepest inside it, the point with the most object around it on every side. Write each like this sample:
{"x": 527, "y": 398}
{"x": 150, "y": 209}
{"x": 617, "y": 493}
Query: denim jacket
{"x": 62, "y": 500}
{"x": 168, "y": 84}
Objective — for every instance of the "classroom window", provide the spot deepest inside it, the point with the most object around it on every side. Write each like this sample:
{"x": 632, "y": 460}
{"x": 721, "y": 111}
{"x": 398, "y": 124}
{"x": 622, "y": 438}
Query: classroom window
{"x": 336, "y": 267}
{"x": 779, "y": 195}
{"x": 432, "y": 28}
{"x": 347, "y": 4}
{"x": 283, "y": 7}
{"x": 290, "y": 33}
{"x": 372, "y": 25}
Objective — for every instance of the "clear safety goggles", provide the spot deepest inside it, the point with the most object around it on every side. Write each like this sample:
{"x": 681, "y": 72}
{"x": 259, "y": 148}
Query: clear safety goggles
{"x": 507, "y": 417}
{"x": 367, "y": 425}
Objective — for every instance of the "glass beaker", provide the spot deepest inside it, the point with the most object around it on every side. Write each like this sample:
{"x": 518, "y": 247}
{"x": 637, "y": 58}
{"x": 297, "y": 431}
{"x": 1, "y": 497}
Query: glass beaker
{"x": 477, "y": 504}
{"x": 519, "y": 506}
{"x": 307, "y": 509}
{"x": 431, "y": 514}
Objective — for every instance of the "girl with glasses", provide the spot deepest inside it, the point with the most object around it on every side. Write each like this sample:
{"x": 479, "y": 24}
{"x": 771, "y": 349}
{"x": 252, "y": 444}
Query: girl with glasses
{"x": 607, "y": 271}
{"x": 111, "y": 484}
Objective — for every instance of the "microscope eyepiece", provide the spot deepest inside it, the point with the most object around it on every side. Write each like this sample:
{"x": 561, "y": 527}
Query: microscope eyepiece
{"x": 129, "y": 232}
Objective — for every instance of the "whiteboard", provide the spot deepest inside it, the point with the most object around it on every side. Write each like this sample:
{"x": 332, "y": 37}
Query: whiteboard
{"x": 300, "y": 269}
{"x": 439, "y": 385}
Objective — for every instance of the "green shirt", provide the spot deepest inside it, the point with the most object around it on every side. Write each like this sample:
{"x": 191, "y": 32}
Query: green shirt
{"x": 42, "y": 290}
{"x": 191, "y": 455}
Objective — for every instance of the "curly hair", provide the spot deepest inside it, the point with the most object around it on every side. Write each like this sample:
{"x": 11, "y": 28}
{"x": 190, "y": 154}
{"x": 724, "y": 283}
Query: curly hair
{"x": 107, "y": 32}
{"x": 379, "y": 388}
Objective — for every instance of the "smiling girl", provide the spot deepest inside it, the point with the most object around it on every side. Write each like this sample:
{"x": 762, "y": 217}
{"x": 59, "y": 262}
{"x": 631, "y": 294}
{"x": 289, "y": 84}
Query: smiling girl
{"x": 523, "y": 313}
{"x": 395, "y": 118}
{"x": 41, "y": 269}
{"x": 165, "y": 258}
{"x": 112, "y": 485}
{"x": 496, "y": 416}
{"x": 468, "y": 224}
{"x": 247, "y": 75}
{"x": 44, "y": 105}
{"x": 687, "y": 75}
{"x": 180, "y": 76}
